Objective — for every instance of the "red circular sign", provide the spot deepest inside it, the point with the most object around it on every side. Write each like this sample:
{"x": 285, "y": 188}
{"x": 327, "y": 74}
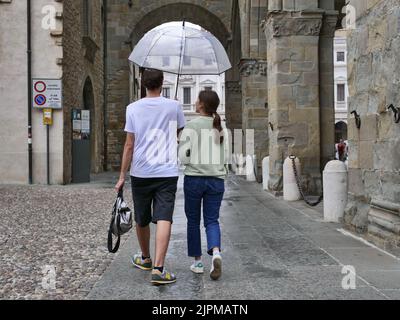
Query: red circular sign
{"x": 40, "y": 100}
{"x": 40, "y": 86}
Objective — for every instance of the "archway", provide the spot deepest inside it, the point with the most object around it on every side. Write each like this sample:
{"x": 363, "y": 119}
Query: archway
{"x": 124, "y": 79}
{"x": 340, "y": 131}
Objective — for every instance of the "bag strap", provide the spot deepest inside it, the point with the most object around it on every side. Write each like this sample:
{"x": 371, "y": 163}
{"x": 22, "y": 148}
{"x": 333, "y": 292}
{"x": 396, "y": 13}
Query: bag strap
{"x": 110, "y": 240}
{"x": 115, "y": 216}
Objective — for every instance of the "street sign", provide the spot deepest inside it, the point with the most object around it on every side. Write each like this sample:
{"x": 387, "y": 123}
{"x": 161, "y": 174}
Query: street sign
{"x": 47, "y": 93}
{"x": 40, "y": 100}
{"x": 48, "y": 117}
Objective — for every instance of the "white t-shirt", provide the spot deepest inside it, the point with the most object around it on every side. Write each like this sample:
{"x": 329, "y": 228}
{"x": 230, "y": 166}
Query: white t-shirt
{"x": 154, "y": 122}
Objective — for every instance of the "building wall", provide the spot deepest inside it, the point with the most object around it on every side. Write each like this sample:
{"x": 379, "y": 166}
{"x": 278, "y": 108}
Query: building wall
{"x": 197, "y": 84}
{"x": 46, "y": 50}
{"x": 340, "y": 72}
{"x": 57, "y": 53}
{"x": 83, "y": 59}
{"x": 374, "y": 84}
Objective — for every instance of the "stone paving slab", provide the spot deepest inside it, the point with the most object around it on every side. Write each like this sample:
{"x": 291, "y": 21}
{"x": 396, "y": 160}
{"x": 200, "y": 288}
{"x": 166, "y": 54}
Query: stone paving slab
{"x": 271, "y": 250}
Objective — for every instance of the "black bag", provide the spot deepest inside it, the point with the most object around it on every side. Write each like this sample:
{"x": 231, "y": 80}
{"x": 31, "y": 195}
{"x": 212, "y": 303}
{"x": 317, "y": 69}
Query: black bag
{"x": 121, "y": 222}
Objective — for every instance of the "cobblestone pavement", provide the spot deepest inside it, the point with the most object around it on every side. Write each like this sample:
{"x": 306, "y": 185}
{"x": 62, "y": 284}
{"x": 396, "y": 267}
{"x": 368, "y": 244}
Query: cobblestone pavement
{"x": 62, "y": 227}
{"x": 271, "y": 249}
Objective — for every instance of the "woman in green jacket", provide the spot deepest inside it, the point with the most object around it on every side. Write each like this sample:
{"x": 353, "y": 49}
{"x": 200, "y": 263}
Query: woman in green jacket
{"x": 204, "y": 150}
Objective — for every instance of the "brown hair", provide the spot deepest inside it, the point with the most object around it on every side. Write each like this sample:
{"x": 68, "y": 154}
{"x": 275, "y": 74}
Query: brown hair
{"x": 211, "y": 102}
{"x": 152, "y": 79}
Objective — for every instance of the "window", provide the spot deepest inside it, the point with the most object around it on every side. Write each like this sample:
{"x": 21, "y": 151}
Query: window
{"x": 187, "y": 95}
{"x": 208, "y": 88}
{"x": 341, "y": 93}
{"x": 167, "y": 93}
{"x": 165, "y": 61}
{"x": 87, "y": 18}
{"x": 187, "y": 61}
{"x": 340, "y": 57}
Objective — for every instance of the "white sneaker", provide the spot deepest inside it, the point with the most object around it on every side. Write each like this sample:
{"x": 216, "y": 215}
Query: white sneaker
{"x": 197, "y": 267}
{"x": 216, "y": 267}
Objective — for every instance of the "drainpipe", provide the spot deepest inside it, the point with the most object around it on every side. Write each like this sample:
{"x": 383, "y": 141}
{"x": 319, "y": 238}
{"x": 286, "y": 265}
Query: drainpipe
{"x": 105, "y": 57}
{"x": 29, "y": 54}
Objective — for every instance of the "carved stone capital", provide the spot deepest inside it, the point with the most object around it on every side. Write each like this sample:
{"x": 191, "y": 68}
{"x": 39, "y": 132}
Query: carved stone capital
{"x": 329, "y": 24}
{"x": 283, "y": 24}
{"x": 249, "y": 67}
{"x": 233, "y": 86}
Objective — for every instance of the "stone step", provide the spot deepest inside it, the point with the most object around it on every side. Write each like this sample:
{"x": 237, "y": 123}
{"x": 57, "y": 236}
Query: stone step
{"x": 389, "y": 221}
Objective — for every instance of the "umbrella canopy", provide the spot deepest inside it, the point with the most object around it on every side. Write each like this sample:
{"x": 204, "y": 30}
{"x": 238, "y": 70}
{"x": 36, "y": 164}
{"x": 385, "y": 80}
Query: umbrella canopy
{"x": 181, "y": 50}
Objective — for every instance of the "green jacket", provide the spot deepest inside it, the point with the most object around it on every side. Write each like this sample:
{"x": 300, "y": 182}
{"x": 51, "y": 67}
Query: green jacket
{"x": 200, "y": 149}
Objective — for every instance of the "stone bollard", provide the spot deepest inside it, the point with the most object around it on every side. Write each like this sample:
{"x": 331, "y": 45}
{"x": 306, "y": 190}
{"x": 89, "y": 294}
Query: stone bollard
{"x": 335, "y": 191}
{"x": 290, "y": 189}
{"x": 250, "y": 168}
{"x": 265, "y": 170}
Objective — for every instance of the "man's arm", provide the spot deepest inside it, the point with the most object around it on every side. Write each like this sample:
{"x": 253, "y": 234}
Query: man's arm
{"x": 126, "y": 160}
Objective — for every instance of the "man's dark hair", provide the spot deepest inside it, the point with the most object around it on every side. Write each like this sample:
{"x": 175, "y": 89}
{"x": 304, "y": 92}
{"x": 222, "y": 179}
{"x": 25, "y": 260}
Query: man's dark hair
{"x": 153, "y": 79}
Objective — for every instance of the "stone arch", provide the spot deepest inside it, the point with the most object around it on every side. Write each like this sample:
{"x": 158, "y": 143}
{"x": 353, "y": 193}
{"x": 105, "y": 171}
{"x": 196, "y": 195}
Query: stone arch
{"x": 340, "y": 131}
{"x": 177, "y": 12}
{"x": 132, "y": 23}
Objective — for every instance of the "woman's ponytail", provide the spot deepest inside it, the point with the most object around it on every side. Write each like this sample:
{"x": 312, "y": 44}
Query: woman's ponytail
{"x": 217, "y": 124}
{"x": 211, "y": 103}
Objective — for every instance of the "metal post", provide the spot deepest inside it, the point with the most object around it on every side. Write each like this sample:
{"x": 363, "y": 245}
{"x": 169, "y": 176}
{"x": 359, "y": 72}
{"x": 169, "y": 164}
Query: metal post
{"x": 29, "y": 75}
{"x": 48, "y": 153}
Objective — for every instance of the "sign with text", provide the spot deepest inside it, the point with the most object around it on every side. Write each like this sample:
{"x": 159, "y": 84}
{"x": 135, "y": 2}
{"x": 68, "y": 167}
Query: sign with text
{"x": 47, "y": 93}
{"x": 80, "y": 124}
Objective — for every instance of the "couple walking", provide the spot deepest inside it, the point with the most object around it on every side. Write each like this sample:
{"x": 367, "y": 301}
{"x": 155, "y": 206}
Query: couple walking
{"x": 153, "y": 125}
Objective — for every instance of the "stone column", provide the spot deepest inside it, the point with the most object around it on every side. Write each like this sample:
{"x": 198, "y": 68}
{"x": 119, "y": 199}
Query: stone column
{"x": 233, "y": 115}
{"x": 255, "y": 106}
{"x": 293, "y": 93}
{"x": 326, "y": 89}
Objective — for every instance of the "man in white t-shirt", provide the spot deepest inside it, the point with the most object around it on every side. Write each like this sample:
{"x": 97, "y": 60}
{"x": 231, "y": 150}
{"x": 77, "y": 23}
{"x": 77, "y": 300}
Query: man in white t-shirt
{"x": 152, "y": 125}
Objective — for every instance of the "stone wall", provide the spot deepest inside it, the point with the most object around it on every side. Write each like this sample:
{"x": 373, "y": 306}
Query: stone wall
{"x": 82, "y": 59}
{"x": 374, "y": 84}
{"x": 253, "y": 72}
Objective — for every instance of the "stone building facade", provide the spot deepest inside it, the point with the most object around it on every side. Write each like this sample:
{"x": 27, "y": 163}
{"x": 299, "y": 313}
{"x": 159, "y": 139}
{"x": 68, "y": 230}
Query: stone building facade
{"x": 341, "y": 85}
{"x": 374, "y": 85}
{"x": 70, "y": 49}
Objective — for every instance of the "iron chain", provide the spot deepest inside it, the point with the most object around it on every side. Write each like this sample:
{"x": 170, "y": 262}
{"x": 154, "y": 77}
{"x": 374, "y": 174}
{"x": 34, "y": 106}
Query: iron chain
{"x": 312, "y": 204}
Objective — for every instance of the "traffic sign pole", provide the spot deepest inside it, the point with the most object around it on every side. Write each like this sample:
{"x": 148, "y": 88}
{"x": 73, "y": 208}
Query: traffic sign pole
{"x": 48, "y": 121}
{"x": 48, "y": 153}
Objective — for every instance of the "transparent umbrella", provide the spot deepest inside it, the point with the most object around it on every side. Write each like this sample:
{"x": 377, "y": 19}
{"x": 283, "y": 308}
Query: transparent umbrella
{"x": 181, "y": 50}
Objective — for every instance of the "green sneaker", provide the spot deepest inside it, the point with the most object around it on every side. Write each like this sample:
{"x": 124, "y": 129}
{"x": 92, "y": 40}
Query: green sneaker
{"x": 158, "y": 278}
{"x": 138, "y": 262}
